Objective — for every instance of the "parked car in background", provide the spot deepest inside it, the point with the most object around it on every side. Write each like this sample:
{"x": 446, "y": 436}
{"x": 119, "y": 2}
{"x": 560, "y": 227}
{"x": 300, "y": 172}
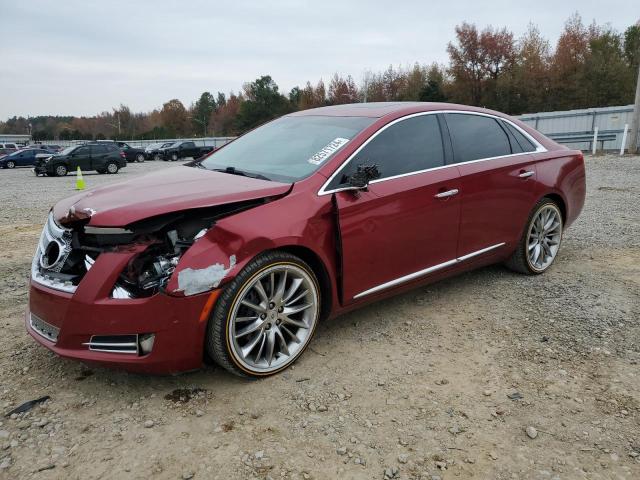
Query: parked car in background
{"x": 182, "y": 149}
{"x": 23, "y": 158}
{"x": 242, "y": 254}
{"x": 48, "y": 147}
{"x": 7, "y": 148}
{"x": 152, "y": 152}
{"x": 132, "y": 154}
{"x": 103, "y": 157}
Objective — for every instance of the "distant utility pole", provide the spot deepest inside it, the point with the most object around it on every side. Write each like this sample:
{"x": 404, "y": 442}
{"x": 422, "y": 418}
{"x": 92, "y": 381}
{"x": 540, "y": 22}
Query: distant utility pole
{"x": 635, "y": 119}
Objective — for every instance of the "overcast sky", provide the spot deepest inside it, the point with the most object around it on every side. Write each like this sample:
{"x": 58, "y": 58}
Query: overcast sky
{"x": 83, "y": 57}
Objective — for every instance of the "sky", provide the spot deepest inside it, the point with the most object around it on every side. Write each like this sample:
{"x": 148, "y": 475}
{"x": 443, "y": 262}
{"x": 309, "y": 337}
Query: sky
{"x": 83, "y": 57}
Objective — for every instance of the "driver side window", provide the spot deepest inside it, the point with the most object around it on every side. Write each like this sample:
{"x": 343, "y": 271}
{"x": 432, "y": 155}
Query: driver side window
{"x": 407, "y": 146}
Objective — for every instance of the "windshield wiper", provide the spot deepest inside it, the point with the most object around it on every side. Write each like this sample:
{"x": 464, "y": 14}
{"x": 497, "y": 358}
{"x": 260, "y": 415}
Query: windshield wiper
{"x": 235, "y": 171}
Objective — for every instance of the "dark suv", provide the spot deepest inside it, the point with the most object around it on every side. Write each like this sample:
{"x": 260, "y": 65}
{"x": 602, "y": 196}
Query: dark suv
{"x": 102, "y": 157}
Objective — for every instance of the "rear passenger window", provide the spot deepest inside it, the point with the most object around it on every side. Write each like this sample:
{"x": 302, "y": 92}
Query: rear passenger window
{"x": 407, "y": 146}
{"x": 523, "y": 142}
{"x": 188, "y": 145}
{"x": 475, "y": 137}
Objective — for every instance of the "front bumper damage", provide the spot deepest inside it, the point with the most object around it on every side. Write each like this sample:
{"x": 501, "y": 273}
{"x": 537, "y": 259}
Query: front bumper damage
{"x": 81, "y": 319}
{"x": 66, "y": 322}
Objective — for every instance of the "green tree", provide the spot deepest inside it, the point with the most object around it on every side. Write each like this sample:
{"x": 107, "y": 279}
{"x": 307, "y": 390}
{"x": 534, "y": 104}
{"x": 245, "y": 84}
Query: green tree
{"x": 202, "y": 111}
{"x": 262, "y": 103}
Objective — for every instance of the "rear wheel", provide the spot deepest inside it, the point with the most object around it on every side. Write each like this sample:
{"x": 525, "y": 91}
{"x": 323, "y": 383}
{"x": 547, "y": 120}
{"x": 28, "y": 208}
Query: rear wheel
{"x": 540, "y": 240}
{"x": 265, "y": 318}
{"x": 11, "y": 164}
{"x": 139, "y": 158}
{"x": 61, "y": 170}
{"x": 112, "y": 167}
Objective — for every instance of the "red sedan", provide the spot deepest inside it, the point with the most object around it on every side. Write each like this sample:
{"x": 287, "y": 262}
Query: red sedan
{"x": 241, "y": 254}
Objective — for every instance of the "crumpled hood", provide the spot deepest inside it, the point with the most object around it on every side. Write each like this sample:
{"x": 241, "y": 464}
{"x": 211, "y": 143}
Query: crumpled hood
{"x": 165, "y": 191}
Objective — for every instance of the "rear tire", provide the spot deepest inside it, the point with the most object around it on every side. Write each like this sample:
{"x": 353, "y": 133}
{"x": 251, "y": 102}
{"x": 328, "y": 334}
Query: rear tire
{"x": 285, "y": 296}
{"x": 112, "y": 168}
{"x": 541, "y": 239}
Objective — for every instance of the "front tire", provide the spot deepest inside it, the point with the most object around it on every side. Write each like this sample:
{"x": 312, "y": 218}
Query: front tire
{"x": 174, "y": 157}
{"x": 61, "y": 170}
{"x": 11, "y": 164}
{"x": 541, "y": 239}
{"x": 140, "y": 158}
{"x": 265, "y": 318}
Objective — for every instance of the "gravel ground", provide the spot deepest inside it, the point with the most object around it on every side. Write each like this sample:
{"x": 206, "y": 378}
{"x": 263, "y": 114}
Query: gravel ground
{"x": 487, "y": 375}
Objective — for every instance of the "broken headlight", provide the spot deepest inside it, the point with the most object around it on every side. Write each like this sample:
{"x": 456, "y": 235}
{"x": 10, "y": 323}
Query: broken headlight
{"x": 145, "y": 275}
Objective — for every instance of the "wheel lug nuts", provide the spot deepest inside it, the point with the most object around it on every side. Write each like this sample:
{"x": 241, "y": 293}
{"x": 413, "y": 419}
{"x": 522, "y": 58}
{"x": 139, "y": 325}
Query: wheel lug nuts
{"x": 272, "y": 305}
{"x": 281, "y": 309}
{"x": 263, "y": 316}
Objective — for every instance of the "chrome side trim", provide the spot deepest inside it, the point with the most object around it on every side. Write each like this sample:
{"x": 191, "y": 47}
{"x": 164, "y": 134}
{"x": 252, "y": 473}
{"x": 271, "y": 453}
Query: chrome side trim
{"x": 539, "y": 148}
{"x": 426, "y": 271}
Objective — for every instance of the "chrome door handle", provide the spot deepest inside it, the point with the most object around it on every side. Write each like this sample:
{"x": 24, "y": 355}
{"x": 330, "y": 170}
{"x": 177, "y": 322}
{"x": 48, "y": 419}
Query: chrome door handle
{"x": 526, "y": 174}
{"x": 448, "y": 193}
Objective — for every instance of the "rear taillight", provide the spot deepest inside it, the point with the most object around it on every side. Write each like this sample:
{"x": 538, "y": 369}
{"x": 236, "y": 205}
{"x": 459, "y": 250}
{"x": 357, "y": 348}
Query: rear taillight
{"x": 122, "y": 155}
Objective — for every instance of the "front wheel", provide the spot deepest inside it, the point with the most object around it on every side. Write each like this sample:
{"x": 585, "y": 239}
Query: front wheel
{"x": 265, "y": 318}
{"x": 174, "y": 157}
{"x": 61, "y": 170}
{"x": 540, "y": 242}
{"x": 139, "y": 158}
{"x": 11, "y": 164}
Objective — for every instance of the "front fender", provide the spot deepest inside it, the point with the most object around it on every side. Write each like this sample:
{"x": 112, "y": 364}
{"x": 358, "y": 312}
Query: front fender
{"x": 217, "y": 257}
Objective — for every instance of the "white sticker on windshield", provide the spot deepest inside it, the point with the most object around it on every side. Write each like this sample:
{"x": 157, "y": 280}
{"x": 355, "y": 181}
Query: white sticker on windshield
{"x": 326, "y": 152}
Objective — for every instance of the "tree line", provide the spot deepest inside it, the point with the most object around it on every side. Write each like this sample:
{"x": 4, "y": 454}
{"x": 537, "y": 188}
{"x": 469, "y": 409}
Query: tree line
{"x": 590, "y": 66}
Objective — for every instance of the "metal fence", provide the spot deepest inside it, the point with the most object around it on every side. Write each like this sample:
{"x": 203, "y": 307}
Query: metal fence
{"x": 201, "y": 142}
{"x": 573, "y": 127}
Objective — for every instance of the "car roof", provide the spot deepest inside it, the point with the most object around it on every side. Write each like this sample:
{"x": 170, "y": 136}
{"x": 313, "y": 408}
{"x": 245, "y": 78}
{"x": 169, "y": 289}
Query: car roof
{"x": 381, "y": 109}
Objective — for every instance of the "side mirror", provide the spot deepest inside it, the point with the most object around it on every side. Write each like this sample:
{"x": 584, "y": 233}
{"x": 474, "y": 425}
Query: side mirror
{"x": 363, "y": 175}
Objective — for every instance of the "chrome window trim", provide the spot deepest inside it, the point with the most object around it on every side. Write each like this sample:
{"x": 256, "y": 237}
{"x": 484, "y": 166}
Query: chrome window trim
{"x": 426, "y": 271}
{"x": 323, "y": 190}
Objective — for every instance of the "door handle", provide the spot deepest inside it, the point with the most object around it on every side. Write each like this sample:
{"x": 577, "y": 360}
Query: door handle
{"x": 526, "y": 174}
{"x": 448, "y": 193}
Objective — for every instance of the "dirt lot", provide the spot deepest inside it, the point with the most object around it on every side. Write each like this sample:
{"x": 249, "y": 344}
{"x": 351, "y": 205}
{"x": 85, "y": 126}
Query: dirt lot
{"x": 441, "y": 382}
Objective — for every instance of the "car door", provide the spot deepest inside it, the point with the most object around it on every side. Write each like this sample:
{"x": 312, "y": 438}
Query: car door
{"x": 498, "y": 180}
{"x": 405, "y": 225}
{"x": 187, "y": 149}
{"x": 80, "y": 157}
{"x": 21, "y": 158}
{"x": 98, "y": 156}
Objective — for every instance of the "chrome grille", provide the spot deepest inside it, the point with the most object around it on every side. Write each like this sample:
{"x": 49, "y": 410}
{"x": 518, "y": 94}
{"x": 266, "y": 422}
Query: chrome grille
{"x": 43, "y": 328}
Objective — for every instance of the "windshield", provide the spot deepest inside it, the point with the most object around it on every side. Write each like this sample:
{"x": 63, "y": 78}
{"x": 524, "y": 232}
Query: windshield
{"x": 289, "y": 148}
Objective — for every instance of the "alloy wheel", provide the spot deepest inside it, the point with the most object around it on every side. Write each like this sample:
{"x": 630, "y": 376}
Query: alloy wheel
{"x": 140, "y": 158}
{"x": 61, "y": 170}
{"x": 273, "y": 318}
{"x": 11, "y": 164}
{"x": 112, "y": 168}
{"x": 544, "y": 237}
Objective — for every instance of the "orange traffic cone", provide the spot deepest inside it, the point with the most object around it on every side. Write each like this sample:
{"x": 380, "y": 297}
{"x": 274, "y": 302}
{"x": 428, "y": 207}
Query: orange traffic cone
{"x": 80, "y": 185}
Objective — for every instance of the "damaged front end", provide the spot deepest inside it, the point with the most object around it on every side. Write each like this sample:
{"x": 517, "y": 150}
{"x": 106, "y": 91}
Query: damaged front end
{"x": 68, "y": 250}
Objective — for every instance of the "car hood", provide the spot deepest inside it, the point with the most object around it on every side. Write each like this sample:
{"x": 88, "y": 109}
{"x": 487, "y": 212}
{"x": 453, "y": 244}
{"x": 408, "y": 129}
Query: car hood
{"x": 165, "y": 191}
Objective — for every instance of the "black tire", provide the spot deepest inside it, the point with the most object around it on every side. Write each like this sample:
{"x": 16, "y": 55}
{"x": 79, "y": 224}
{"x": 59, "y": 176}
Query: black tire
{"x": 112, "y": 168}
{"x": 11, "y": 164}
{"x": 519, "y": 261}
{"x": 140, "y": 158}
{"x": 216, "y": 342}
{"x": 157, "y": 157}
{"x": 61, "y": 170}
{"x": 174, "y": 157}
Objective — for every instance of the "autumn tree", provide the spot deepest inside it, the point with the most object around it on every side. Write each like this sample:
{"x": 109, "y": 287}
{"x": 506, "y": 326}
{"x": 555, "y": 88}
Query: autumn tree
{"x": 223, "y": 119}
{"x": 174, "y": 117}
{"x": 531, "y": 72}
{"x": 342, "y": 90}
{"x": 467, "y": 64}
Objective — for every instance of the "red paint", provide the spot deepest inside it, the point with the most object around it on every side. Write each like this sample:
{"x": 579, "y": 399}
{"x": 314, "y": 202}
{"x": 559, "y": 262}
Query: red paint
{"x": 394, "y": 229}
